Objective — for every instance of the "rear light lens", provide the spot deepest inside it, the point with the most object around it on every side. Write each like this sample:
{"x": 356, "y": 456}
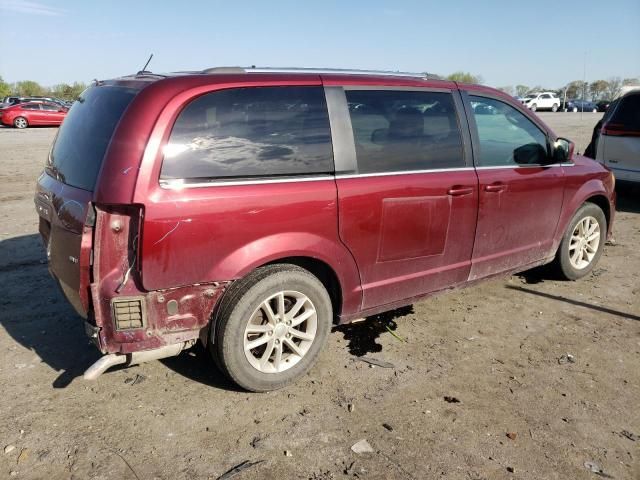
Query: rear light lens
{"x": 618, "y": 130}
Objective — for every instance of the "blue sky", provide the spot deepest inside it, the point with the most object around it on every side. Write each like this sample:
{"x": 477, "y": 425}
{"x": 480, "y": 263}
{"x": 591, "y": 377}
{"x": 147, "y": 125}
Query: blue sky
{"x": 507, "y": 42}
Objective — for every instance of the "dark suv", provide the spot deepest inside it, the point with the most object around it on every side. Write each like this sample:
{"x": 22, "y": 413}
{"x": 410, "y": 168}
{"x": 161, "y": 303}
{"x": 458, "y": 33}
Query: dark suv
{"x": 252, "y": 209}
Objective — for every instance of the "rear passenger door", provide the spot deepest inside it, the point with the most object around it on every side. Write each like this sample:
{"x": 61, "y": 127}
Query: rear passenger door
{"x": 407, "y": 209}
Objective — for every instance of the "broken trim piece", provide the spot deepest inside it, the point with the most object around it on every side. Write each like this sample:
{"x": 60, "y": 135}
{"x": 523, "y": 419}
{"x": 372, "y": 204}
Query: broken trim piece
{"x": 113, "y": 359}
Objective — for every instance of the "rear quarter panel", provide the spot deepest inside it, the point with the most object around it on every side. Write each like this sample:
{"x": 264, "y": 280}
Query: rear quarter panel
{"x": 223, "y": 232}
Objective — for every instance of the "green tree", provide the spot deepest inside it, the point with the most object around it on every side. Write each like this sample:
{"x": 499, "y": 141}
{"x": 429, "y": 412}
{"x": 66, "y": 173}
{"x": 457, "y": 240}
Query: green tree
{"x": 66, "y": 91}
{"x": 28, "y": 88}
{"x": 522, "y": 90}
{"x": 464, "y": 77}
{"x": 598, "y": 88}
{"x": 5, "y": 88}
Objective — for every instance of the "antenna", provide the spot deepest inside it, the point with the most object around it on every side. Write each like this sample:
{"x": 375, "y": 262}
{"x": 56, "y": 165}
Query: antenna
{"x": 144, "y": 69}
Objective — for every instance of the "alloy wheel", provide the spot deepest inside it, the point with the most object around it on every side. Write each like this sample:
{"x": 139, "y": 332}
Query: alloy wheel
{"x": 584, "y": 243}
{"x": 280, "y": 332}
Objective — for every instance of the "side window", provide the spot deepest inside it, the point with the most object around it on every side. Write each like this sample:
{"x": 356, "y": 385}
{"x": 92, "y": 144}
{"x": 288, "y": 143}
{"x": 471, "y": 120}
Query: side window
{"x": 250, "y": 132}
{"x": 404, "y": 130}
{"x": 628, "y": 113}
{"x": 507, "y": 137}
{"x": 31, "y": 106}
{"x": 50, "y": 107}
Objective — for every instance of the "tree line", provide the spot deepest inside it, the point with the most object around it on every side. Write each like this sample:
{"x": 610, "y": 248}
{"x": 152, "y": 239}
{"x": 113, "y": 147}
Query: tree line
{"x": 596, "y": 90}
{"x": 29, "y": 88}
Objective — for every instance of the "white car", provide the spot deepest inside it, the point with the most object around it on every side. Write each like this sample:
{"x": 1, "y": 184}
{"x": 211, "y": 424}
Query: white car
{"x": 542, "y": 101}
{"x": 617, "y": 140}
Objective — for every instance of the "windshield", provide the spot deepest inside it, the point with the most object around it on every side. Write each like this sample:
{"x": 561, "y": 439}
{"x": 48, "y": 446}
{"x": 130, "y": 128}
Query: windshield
{"x": 85, "y": 134}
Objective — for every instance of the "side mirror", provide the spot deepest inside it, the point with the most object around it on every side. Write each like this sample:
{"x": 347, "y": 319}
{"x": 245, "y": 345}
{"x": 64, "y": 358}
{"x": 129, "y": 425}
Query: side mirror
{"x": 563, "y": 150}
{"x": 530, "y": 154}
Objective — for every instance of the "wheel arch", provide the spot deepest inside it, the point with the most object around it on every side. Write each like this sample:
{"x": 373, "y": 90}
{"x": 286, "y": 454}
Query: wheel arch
{"x": 323, "y": 272}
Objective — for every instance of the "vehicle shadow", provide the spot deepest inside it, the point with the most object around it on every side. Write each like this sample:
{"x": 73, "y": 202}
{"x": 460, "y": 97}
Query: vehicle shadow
{"x": 37, "y": 316}
{"x": 628, "y": 197}
{"x": 362, "y": 336}
{"x": 577, "y": 303}
{"x": 35, "y": 313}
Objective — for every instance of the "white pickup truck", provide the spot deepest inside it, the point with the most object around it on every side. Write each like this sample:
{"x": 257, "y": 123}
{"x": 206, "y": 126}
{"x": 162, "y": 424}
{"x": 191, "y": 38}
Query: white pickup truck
{"x": 542, "y": 101}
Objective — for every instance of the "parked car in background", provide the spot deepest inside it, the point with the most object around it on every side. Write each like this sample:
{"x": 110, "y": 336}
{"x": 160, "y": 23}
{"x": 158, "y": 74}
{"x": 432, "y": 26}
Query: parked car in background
{"x": 616, "y": 138}
{"x": 381, "y": 189}
{"x": 603, "y": 105}
{"x": 23, "y": 115}
{"x": 542, "y": 101}
{"x": 580, "y": 106}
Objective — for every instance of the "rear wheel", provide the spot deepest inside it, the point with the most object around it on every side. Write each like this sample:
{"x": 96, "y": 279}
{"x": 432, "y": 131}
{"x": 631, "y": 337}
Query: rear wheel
{"x": 271, "y": 327}
{"x": 554, "y": 108}
{"x": 575, "y": 109}
{"x": 534, "y": 107}
{"x": 594, "y": 110}
{"x": 20, "y": 122}
{"x": 582, "y": 244}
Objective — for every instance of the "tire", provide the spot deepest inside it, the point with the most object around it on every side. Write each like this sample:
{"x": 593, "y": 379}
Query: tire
{"x": 575, "y": 109}
{"x": 594, "y": 110}
{"x": 571, "y": 264}
{"x": 244, "y": 304}
{"x": 533, "y": 107}
{"x": 20, "y": 122}
{"x": 554, "y": 108}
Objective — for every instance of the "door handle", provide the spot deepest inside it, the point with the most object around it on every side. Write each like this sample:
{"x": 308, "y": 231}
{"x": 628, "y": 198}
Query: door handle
{"x": 458, "y": 190}
{"x": 495, "y": 187}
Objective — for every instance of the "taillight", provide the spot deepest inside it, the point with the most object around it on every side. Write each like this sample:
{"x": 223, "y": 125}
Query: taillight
{"x": 618, "y": 130}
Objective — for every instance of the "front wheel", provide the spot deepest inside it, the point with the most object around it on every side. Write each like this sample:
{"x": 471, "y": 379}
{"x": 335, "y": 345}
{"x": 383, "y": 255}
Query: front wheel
{"x": 534, "y": 107}
{"x": 20, "y": 122}
{"x": 271, "y": 327}
{"x": 582, "y": 244}
{"x": 575, "y": 109}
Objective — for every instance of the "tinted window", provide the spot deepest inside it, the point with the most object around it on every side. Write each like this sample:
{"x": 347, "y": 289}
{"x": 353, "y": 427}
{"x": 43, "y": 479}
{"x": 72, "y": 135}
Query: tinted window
{"x": 85, "y": 134}
{"x": 404, "y": 130}
{"x": 628, "y": 113}
{"x": 31, "y": 106}
{"x": 50, "y": 107}
{"x": 248, "y": 132}
{"x": 507, "y": 137}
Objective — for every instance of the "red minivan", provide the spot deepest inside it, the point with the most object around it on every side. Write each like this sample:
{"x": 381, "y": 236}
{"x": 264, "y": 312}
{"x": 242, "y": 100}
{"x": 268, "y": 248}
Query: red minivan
{"x": 253, "y": 209}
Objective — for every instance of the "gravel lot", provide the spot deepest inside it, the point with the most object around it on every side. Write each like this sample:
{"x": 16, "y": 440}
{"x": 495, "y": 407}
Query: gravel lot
{"x": 523, "y": 411}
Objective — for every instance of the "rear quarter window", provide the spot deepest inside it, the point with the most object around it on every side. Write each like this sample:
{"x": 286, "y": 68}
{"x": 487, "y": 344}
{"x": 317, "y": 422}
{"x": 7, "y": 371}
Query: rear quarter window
{"x": 251, "y": 132}
{"x": 85, "y": 134}
{"x": 628, "y": 112}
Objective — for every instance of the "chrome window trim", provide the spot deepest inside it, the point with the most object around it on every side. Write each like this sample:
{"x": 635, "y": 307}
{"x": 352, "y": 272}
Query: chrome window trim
{"x": 177, "y": 184}
{"x": 404, "y": 172}
{"x": 180, "y": 183}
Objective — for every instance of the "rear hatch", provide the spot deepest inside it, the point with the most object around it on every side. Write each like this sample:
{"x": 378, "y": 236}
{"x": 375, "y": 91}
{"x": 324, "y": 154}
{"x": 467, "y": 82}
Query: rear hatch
{"x": 65, "y": 189}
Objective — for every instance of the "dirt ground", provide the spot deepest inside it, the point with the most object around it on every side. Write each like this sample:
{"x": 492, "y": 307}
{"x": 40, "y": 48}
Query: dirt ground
{"x": 518, "y": 408}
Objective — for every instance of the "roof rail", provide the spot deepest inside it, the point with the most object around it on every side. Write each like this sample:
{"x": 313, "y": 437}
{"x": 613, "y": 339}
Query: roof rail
{"x": 316, "y": 71}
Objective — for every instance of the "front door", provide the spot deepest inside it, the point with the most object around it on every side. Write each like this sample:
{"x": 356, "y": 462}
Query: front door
{"x": 520, "y": 195}
{"x": 408, "y": 213}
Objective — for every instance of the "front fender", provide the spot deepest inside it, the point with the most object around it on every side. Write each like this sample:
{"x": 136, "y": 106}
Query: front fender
{"x": 574, "y": 198}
